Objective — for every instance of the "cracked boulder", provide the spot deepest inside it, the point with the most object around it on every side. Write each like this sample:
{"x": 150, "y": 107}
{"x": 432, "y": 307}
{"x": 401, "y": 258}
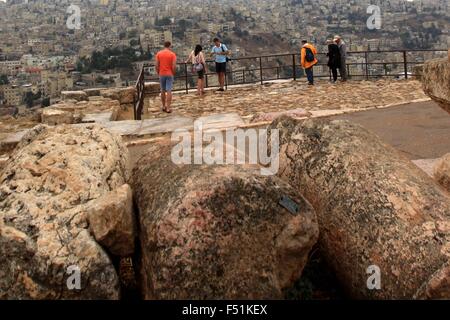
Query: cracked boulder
{"x": 52, "y": 178}
{"x": 218, "y": 232}
{"x": 375, "y": 209}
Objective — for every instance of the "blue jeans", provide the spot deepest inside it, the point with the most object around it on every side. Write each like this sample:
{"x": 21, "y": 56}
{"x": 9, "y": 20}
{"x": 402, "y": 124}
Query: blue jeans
{"x": 310, "y": 75}
{"x": 166, "y": 83}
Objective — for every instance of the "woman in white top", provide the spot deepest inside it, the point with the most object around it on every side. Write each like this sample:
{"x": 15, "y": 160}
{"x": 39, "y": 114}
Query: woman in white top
{"x": 197, "y": 58}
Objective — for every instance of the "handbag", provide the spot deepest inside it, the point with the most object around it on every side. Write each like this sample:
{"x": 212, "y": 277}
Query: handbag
{"x": 198, "y": 66}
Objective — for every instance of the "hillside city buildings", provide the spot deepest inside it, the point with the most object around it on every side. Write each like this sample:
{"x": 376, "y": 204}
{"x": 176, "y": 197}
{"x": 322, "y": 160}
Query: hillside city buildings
{"x": 44, "y": 51}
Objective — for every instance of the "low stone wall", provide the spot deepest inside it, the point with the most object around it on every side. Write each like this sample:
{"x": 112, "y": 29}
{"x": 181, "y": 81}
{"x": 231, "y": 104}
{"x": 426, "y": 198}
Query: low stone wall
{"x": 436, "y": 81}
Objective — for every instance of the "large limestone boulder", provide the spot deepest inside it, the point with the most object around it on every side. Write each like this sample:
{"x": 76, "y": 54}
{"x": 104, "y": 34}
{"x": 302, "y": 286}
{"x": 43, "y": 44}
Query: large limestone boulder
{"x": 218, "y": 232}
{"x": 375, "y": 209}
{"x": 55, "y": 175}
{"x": 436, "y": 81}
{"x": 123, "y": 95}
{"x": 442, "y": 171}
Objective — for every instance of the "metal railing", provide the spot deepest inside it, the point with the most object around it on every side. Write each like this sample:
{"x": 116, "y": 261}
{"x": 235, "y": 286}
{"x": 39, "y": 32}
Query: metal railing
{"x": 260, "y": 69}
{"x": 139, "y": 96}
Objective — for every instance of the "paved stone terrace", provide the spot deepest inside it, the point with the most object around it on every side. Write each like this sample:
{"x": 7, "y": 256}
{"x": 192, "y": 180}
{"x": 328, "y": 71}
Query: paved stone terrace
{"x": 251, "y": 100}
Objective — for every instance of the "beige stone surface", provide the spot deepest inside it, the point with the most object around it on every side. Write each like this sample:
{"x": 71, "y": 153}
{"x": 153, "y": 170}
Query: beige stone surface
{"x": 270, "y": 116}
{"x": 217, "y": 232}
{"x": 253, "y": 100}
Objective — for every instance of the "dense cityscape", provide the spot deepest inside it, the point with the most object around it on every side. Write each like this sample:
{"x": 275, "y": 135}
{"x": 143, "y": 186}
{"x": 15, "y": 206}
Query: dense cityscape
{"x": 45, "y": 49}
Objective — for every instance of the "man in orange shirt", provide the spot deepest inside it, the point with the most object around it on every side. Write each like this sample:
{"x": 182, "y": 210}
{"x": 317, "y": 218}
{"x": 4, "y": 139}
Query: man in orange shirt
{"x": 308, "y": 60}
{"x": 166, "y": 63}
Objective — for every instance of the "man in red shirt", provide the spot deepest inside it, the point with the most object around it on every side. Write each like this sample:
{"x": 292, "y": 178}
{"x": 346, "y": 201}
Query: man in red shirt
{"x": 166, "y": 63}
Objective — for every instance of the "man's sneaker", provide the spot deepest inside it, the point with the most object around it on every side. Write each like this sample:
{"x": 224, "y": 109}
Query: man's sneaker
{"x": 220, "y": 89}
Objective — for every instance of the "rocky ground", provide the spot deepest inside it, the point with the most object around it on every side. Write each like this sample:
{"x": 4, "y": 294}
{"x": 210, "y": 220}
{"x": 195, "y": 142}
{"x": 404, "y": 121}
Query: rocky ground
{"x": 249, "y": 101}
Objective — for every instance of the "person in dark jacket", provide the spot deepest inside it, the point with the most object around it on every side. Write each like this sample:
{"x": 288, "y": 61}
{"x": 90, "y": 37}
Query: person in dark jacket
{"x": 334, "y": 58}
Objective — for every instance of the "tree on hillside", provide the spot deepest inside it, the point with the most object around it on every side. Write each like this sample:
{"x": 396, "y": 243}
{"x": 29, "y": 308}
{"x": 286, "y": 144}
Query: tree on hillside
{"x": 4, "y": 79}
{"x": 45, "y": 102}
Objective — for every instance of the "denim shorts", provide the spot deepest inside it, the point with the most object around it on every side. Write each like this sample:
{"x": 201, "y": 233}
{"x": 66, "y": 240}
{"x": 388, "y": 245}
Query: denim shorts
{"x": 166, "y": 83}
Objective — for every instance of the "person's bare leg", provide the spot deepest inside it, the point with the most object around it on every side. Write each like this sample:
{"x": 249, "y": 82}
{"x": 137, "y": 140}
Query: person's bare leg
{"x": 163, "y": 99}
{"x": 222, "y": 79}
{"x": 199, "y": 87}
{"x": 202, "y": 84}
{"x": 169, "y": 100}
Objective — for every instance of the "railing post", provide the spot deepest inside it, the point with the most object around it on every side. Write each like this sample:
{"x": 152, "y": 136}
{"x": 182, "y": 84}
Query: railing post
{"x": 226, "y": 80}
{"x": 260, "y": 70}
{"x": 206, "y": 79}
{"x": 366, "y": 55}
{"x": 243, "y": 76}
{"x": 278, "y": 72}
{"x": 294, "y": 74}
{"x": 405, "y": 64}
{"x": 186, "y": 77}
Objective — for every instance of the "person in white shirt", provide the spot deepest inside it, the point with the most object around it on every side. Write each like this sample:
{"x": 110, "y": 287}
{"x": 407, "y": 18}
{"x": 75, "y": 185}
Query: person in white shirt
{"x": 221, "y": 53}
{"x": 197, "y": 58}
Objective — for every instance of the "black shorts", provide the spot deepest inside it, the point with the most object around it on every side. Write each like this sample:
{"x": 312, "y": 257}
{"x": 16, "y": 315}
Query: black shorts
{"x": 221, "y": 67}
{"x": 201, "y": 74}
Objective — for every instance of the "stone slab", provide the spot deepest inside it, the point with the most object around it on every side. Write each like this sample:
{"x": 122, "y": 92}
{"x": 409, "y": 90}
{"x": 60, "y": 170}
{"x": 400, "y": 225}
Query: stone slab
{"x": 221, "y": 121}
{"x": 149, "y": 126}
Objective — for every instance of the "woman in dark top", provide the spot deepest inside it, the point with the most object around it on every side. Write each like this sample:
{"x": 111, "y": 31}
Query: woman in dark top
{"x": 334, "y": 58}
